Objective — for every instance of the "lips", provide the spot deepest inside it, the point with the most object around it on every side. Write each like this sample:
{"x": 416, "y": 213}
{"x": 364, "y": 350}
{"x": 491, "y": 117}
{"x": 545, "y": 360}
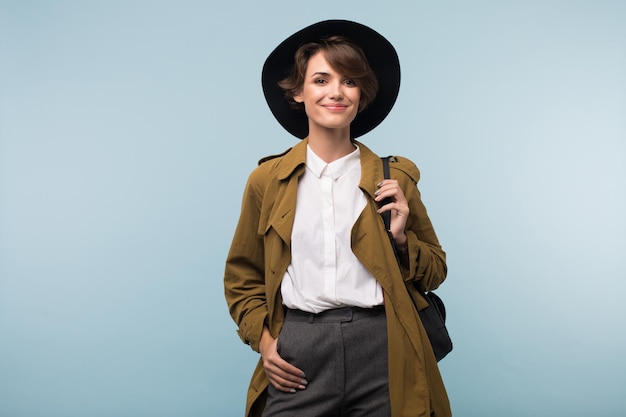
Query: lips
{"x": 335, "y": 107}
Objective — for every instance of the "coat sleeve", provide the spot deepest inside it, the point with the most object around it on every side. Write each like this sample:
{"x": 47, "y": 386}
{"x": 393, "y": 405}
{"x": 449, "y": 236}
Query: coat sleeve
{"x": 244, "y": 282}
{"x": 427, "y": 260}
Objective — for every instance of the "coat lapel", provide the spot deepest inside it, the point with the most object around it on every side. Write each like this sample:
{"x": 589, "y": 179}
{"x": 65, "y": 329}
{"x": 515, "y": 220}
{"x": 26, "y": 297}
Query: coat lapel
{"x": 370, "y": 242}
{"x": 283, "y": 196}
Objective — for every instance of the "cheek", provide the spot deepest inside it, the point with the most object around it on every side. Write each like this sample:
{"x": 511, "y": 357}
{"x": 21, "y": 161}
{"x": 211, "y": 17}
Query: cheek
{"x": 356, "y": 98}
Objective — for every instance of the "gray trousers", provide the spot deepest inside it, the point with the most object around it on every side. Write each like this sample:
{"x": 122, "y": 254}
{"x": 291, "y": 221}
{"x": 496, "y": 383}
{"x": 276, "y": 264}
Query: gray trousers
{"x": 343, "y": 353}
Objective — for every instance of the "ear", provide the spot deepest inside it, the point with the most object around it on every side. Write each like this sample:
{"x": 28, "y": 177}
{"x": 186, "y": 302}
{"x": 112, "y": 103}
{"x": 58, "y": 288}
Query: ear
{"x": 298, "y": 97}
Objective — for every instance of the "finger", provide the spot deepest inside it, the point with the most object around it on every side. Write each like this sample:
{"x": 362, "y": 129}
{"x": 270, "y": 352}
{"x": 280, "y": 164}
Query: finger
{"x": 384, "y": 193}
{"x": 285, "y": 370}
{"x": 395, "y": 207}
{"x": 282, "y": 366}
{"x": 285, "y": 384}
{"x": 284, "y": 375}
{"x": 389, "y": 190}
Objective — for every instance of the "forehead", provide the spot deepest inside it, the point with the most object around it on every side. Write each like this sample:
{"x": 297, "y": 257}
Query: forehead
{"x": 318, "y": 63}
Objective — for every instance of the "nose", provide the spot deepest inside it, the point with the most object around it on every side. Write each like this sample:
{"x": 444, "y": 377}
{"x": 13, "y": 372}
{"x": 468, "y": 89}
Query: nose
{"x": 336, "y": 92}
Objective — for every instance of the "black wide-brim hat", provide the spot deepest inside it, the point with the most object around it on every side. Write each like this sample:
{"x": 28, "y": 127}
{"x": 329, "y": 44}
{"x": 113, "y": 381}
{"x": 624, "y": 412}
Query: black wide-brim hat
{"x": 380, "y": 54}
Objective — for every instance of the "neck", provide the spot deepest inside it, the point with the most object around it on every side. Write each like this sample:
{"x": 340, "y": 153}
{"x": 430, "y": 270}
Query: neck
{"x": 331, "y": 144}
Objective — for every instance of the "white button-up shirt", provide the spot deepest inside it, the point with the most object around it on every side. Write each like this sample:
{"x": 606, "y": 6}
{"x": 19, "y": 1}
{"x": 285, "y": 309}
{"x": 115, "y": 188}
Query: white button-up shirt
{"x": 324, "y": 273}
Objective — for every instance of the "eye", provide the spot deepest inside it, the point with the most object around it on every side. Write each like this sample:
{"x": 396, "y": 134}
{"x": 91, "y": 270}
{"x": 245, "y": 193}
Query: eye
{"x": 350, "y": 83}
{"x": 320, "y": 81}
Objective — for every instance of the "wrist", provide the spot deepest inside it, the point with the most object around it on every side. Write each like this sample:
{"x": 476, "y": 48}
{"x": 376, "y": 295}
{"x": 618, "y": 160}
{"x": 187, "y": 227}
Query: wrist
{"x": 401, "y": 241}
{"x": 266, "y": 338}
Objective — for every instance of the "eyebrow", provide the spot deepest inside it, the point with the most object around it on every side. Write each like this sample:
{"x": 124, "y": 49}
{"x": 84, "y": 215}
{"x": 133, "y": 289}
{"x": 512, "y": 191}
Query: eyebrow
{"x": 325, "y": 74}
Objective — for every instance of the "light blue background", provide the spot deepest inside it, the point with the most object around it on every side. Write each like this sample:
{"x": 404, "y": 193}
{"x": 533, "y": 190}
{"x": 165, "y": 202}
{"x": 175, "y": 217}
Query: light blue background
{"x": 128, "y": 129}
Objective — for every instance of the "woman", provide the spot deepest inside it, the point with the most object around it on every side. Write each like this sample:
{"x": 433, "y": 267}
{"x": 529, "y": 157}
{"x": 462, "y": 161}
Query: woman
{"x": 311, "y": 278}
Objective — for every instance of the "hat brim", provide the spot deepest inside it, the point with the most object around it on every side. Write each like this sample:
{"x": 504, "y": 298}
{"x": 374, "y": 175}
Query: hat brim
{"x": 380, "y": 54}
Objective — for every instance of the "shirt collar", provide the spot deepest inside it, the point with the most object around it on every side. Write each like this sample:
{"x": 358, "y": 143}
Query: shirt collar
{"x": 336, "y": 168}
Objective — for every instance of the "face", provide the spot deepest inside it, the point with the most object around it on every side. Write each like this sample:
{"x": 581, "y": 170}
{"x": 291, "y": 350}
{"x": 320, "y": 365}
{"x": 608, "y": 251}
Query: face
{"x": 331, "y": 100}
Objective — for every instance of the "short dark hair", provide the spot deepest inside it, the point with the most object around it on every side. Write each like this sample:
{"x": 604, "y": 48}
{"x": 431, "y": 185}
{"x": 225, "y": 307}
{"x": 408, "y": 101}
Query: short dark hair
{"x": 344, "y": 56}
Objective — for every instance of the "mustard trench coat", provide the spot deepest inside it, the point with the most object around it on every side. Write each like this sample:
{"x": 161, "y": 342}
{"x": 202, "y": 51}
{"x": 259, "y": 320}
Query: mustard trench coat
{"x": 260, "y": 254}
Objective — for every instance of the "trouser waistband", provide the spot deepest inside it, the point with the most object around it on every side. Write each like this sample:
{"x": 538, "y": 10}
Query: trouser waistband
{"x": 335, "y": 315}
